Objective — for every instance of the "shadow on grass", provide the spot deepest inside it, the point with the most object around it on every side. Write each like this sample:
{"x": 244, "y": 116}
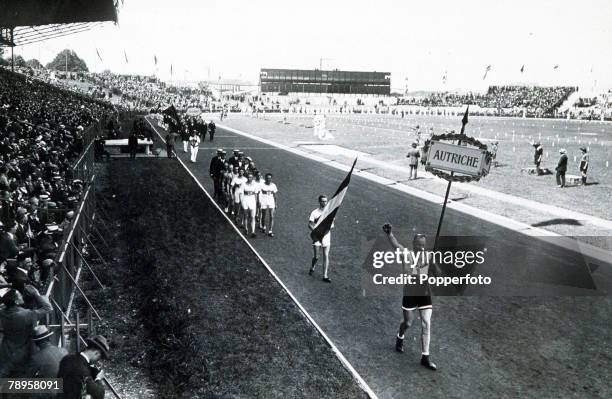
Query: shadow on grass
{"x": 551, "y": 222}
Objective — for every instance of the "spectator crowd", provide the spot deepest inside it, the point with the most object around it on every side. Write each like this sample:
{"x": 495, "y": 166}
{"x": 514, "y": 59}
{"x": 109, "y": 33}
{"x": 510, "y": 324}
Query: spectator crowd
{"x": 535, "y": 100}
{"x": 43, "y": 132}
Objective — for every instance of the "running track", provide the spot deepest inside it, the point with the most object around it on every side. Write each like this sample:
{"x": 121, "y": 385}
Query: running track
{"x": 483, "y": 346}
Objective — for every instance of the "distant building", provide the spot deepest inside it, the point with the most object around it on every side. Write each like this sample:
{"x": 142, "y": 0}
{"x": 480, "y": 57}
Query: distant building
{"x": 231, "y": 86}
{"x": 324, "y": 82}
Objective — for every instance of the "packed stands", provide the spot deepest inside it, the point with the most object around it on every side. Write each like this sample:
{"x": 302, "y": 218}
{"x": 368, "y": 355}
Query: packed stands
{"x": 43, "y": 134}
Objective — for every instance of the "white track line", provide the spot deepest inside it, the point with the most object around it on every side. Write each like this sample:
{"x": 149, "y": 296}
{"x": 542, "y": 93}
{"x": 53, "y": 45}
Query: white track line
{"x": 362, "y": 384}
{"x": 523, "y": 228}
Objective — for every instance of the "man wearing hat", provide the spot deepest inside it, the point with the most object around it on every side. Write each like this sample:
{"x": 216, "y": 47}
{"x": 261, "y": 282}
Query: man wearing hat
{"x": 17, "y": 323}
{"x": 561, "y": 168}
{"x": 234, "y": 161}
{"x": 45, "y": 363}
{"x": 79, "y": 372}
{"x": 584, "y": 165}
{"x": 216, "y": 173}
{"x": 413, "y": 155}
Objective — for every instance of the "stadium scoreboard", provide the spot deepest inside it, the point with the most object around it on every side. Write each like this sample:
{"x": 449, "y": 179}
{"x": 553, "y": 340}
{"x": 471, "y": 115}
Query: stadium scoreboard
{"x": 324, "y": 82}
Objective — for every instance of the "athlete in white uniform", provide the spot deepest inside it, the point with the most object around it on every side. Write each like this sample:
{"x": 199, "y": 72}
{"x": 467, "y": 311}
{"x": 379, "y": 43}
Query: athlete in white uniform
{"x": 194, "y": 144}
{"x": 236, "y": 187}
{"x": 259, "y": 181}
{"x": 268, "y": 203}
{"x": 249, "y": 193}
{"x": 325, "y": 242}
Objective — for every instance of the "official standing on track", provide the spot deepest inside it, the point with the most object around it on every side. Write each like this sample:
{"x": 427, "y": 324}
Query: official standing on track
{"x": 416, "y": 296}
{"x": 194, "y": 145}
{"x": 324, "y": 244}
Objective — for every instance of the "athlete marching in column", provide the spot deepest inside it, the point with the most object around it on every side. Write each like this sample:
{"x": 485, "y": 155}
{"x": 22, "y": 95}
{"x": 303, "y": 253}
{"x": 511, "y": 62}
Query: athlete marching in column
{"x": 268, "y": 203}
{"x": 249, "y": 193}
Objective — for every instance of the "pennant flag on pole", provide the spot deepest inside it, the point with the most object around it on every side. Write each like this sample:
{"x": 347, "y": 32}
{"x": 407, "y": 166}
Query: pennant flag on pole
{"x": 99, "y": 56}
{"x": 486, "y": 72}
{"x": 326, "y": 219}
{"x": 464, "y": 121}
{"x": 523, "y": 68}
{"x": 173, "y": 115}
{"x": 126, "y": 59}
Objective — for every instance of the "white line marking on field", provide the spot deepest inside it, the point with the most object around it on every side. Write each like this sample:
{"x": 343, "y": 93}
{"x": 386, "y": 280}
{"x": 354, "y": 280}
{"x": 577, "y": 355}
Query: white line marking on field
{"x": 544, "y": 235}
{"x": 364, "y": 385}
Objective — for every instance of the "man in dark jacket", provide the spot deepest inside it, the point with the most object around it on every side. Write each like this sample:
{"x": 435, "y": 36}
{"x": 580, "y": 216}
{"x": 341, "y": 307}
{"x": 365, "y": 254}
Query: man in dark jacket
{"x": 170, "y": 144}
{"x": 8, "y": 244}
{"x": 211, "y": 128}
{"x": 216, "y": 172}
{"x": 185, "y": 138}
{"x": 561, "y": 168}
{"x": 78, "y": 371}
{"x": 133, "y": 144}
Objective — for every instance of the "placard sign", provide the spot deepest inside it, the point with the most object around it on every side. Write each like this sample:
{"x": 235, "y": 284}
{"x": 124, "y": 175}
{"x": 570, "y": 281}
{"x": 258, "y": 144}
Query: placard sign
{"x": 456, "y": 158}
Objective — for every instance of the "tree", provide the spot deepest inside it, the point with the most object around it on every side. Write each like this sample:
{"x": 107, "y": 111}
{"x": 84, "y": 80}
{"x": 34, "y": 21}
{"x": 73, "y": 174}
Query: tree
{"x": 34, "y": 64}
{"x": 20, "y": 61}
{"x": 67, "y": 60}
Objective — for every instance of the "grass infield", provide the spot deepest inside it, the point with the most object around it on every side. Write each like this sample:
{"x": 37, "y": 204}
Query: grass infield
{"x": 215, "y": 323}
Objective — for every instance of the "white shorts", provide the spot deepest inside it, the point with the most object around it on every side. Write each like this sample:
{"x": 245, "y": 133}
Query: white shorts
{"x": 267, "y": 202}
{"x": 325, "y": 242}
{"x": 248, "y": 202}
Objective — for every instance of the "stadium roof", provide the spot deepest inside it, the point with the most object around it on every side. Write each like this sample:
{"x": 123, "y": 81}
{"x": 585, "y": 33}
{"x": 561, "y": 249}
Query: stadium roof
{"x": 29, "y": 21}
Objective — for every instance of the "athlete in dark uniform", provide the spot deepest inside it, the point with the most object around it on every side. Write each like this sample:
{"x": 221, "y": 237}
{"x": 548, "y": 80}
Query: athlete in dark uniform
{"x": 416, "y": 296}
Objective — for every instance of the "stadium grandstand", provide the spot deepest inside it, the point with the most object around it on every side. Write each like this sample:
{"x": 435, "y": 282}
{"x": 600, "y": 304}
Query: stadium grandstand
{"x": 325, "y": 82}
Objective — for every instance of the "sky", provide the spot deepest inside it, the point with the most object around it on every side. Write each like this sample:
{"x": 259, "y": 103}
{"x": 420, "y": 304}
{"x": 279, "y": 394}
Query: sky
{"x": 419, "y": 42}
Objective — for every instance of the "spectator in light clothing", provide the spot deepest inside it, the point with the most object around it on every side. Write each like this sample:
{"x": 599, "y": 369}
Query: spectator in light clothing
{"x": 413, "y": 155}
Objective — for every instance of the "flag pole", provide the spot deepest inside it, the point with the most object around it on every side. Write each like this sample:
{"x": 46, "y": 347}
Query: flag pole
{"x": 464, "y": 122}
